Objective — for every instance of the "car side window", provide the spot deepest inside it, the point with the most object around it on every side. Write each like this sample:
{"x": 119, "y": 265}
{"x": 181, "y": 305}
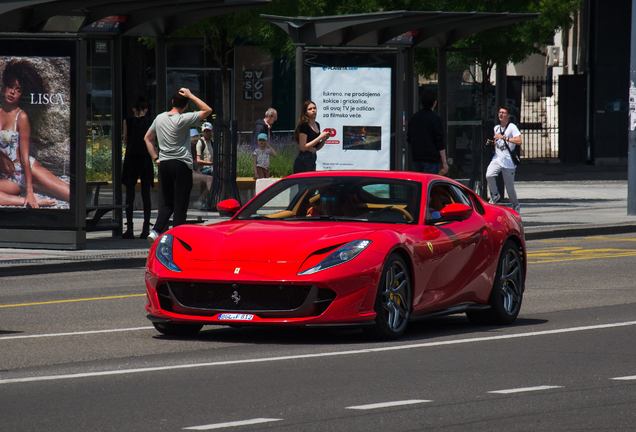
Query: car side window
{"x": 439, "y": 196}
{"x": 461, "y": 196}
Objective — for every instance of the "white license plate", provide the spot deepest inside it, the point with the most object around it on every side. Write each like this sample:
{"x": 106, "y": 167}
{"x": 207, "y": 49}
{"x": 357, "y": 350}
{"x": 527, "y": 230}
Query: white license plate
{"x": 236, "y": 317}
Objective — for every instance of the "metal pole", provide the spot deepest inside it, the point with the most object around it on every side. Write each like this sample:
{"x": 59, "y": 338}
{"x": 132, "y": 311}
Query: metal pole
{"x": 398, "y": 143}
{"x": 631, "y": 145}
{"x": 116, "y": 130}
{"x": 300, "y": 66}
{"x": 442, "y": 99}
{"x": 161, "y": 81}
{"x": 412, "y": 101}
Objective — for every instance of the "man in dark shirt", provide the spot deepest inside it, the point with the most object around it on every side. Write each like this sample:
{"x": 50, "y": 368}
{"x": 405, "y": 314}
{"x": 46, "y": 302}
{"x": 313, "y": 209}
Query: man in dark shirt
{"x": 265, "y": 125}
{"x": 426, "y": 137}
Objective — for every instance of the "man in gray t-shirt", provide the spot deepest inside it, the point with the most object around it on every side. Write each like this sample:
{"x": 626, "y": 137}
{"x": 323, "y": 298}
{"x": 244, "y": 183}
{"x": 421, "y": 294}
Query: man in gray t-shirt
{"x": 171, "y": 132}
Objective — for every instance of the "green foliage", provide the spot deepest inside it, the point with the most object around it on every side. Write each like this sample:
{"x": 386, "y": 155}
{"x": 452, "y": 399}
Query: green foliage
{"x": 99, "y": 165}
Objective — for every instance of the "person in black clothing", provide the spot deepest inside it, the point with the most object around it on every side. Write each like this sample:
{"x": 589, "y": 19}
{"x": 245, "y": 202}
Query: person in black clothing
{"x": 137, "y": 165}
{"x": 426, "y": 137}
{"x": 265, "y": 125}
{"x": 309, "y": 138}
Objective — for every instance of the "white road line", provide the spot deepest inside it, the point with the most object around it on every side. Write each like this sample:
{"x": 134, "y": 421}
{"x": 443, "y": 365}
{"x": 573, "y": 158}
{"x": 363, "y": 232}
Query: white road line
{"x": 625, "y": 378}
{"x": 318, "y": 355}
{"x": 232, "y": 424}
{"x": 74, "y": 333}
{"x": 525, "y": 389}
{"x": 388, "y": 404}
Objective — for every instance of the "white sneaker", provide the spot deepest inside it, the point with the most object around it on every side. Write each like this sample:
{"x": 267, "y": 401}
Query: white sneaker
{"x": 517, "y": 208}
{"x": 152, "y": 237}
{"x": 494, "y": 199}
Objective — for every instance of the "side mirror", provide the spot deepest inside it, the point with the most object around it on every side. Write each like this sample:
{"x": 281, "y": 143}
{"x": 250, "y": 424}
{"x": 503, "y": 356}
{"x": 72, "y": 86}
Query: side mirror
{"x": 228, "y": 207}
{"x": 456, "y": 212}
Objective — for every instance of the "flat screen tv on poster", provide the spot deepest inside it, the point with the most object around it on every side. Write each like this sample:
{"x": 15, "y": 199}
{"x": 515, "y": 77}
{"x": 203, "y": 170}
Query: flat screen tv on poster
{"x": 362, "y": 138}
{"x": 35, "y": 132}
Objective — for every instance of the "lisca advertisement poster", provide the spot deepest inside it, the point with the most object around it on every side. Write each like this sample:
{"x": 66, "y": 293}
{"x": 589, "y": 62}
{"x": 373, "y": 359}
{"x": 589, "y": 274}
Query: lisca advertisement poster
{"x": 35, "y": 126}
{"x": 356, "y": 103}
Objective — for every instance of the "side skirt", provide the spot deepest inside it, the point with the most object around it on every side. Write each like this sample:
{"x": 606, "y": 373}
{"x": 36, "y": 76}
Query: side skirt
{"x": 462, "y": 308}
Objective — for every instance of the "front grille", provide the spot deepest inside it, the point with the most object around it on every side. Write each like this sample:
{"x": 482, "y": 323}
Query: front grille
{"x": 240, "y": 297}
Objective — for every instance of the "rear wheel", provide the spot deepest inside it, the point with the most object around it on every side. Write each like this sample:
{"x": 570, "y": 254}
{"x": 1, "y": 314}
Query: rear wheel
{"x": 507, "y": 291}
{"x": 172, "y": 329}
{"x": 393, "y": 300}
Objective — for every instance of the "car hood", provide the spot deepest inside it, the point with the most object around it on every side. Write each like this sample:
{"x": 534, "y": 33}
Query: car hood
{"x": 264, "y": 241}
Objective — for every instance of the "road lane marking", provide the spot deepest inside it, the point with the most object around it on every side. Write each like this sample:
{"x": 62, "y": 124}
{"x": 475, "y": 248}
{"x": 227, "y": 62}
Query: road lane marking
{"x": 625, "y": 378}
{"x": 72, "y": 300}
{"x": 75, "y": 333}
{"x": 388, "y": 404}
{"x": 575, "y": 253}
{"x": 525, "y": 389}
{"x": 232, "y": 424}
{"x": 316, "y": 355}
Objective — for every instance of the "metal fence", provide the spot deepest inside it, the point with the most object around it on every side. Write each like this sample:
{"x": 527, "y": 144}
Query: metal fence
{"x": 539, "y": 124}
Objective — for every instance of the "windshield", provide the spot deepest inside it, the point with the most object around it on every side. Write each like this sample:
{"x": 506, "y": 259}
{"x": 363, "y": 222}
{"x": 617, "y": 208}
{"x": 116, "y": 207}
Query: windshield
{"x": 361, "y": 199}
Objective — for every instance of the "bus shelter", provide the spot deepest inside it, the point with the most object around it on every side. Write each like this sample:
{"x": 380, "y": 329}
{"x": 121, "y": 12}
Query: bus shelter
{"x": 73, "y": 49}
{"x": 364, "y": 63}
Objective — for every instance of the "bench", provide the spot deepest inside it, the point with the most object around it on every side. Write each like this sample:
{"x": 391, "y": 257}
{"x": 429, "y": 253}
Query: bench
{"x": 97, "y": 222}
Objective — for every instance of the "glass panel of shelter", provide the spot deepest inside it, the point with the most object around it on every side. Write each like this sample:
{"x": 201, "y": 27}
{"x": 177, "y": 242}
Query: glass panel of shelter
{"x": 99, "y": 121}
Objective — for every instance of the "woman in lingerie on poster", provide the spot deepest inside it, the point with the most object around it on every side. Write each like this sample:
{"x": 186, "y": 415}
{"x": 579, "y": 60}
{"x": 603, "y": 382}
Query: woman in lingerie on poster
{"x": 18, "y": 170}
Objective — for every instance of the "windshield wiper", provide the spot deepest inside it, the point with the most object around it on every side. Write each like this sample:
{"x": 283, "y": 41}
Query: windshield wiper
{"x": 336, "y": 218}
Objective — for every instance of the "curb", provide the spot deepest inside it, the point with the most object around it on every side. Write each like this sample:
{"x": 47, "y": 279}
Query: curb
{"x": 73, "y": 266}
{"x": 139, "y": 262}
{"x": 581, "y": 231}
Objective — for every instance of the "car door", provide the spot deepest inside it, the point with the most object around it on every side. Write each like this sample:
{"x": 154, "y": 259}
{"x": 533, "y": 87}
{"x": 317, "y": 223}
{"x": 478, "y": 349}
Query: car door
{"x": 457, "y": 251}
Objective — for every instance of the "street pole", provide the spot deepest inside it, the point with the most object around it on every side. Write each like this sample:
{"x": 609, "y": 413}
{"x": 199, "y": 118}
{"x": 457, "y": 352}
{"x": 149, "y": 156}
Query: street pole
{"x": 631, "y": 145}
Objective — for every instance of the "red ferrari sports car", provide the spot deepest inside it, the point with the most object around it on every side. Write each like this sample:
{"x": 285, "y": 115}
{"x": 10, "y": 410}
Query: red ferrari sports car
{"x": 365, "y": 248}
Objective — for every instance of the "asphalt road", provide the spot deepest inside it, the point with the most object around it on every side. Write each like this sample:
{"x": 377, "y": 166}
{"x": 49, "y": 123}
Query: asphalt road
{"x": 77, "y": 354}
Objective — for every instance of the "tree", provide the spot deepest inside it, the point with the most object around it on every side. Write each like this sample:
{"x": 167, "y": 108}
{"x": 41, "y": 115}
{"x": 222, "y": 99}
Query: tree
{"x": 513, "y": 43}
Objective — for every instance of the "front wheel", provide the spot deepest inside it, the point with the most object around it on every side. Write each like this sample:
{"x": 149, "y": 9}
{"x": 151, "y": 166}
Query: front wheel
{"x": 507, "y": 291}
{"x": 172, "y": 329}
{"x": 393, "y": 300}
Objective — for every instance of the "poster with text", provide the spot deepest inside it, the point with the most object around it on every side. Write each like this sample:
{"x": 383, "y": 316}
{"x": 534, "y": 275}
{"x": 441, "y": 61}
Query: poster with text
{"x": 35, "y": 132}
{"x": 356, "y": 103}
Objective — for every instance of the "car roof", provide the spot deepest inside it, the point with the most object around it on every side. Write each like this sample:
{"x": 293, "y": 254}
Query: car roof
{"x": 404, "y": 175}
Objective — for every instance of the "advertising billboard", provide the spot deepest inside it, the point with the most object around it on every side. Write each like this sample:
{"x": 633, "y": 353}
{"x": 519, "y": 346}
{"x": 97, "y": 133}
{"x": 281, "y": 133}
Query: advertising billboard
{"x": 40, "y": 104}
{"x": 356, "y": 103}
{"x": 35, "y": 126}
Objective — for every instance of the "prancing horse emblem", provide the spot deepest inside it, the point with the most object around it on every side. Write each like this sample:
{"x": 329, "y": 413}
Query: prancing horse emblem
{"x": 236, "y": 297}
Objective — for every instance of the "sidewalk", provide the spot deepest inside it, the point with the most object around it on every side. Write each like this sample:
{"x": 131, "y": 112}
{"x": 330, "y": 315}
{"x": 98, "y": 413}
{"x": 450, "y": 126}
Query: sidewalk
{"x": 556, "y": 201}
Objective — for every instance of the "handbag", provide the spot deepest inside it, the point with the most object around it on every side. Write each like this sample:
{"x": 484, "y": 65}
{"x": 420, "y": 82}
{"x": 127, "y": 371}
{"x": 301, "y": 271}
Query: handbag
{"x": 513, "y": 155}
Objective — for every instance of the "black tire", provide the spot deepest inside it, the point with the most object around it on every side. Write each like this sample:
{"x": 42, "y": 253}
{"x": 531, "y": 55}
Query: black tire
{"x": 172, "y": 329}
{"x": 393, "y": 300}
{"x": 507, "y": 290}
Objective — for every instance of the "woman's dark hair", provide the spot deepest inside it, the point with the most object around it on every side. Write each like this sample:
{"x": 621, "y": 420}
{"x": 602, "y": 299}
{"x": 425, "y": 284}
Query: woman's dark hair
{"x": 27, "y": 76}
{"x": 304, "y": 118}
{"x": 140, "y": 104}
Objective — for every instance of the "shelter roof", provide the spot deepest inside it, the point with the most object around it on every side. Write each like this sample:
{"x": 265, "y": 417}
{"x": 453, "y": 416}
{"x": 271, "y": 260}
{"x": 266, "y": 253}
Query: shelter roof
{"x": 430, "y": 29}
{"x": 143, "y": 17}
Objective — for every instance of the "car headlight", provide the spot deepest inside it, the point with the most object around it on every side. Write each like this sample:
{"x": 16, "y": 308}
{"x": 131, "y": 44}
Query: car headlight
{"x": 339, "y": 256}
{"x": 164, "y": 252}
